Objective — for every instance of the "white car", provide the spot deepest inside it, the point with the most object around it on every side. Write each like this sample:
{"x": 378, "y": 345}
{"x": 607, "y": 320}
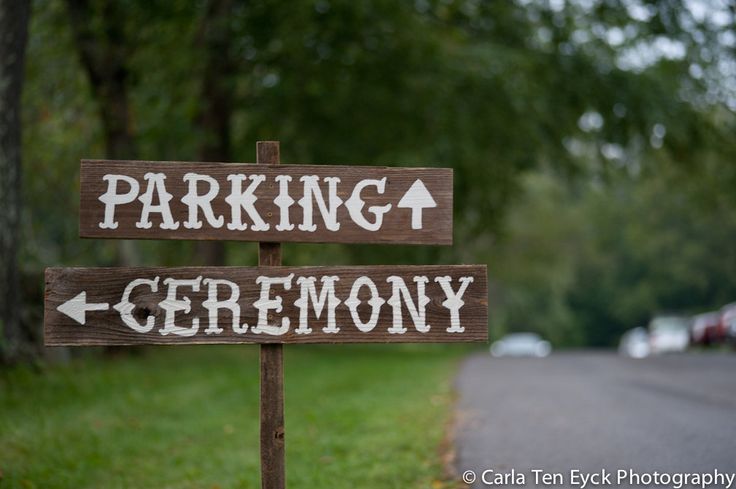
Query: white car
{"x": 521, "y": 345}
{"x": 635, "y": 343}
{"x": 668, "y": 334}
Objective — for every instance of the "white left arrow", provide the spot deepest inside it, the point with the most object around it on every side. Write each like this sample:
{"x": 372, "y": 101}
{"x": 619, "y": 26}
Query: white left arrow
{"x": 77, "y": 307}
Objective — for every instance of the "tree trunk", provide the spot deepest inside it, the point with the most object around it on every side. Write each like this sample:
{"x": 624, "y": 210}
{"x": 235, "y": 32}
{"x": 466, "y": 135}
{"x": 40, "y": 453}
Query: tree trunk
{"x": 215, "y": 113}
{"x": 99, "y": 35}
{"x": 104, "y": 52}
{"x": 14, "y": 18}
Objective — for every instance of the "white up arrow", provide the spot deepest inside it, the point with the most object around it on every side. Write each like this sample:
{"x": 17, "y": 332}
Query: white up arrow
{"x": 77, "y": 307}
{"x": 416, "y": 199}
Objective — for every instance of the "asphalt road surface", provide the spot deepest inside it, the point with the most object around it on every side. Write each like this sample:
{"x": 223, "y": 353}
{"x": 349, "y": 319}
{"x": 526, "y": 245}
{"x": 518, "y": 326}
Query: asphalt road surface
{"x": 593, "y": 411}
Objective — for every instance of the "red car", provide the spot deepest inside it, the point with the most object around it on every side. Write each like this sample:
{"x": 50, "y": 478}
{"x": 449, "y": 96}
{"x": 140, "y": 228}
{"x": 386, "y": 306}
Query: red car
{"x": 705, "y": 329}
{"x": 728, "y": 322}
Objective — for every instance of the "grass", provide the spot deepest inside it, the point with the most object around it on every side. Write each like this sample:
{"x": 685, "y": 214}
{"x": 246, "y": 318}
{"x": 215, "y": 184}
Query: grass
{"x": 187, "y": 417}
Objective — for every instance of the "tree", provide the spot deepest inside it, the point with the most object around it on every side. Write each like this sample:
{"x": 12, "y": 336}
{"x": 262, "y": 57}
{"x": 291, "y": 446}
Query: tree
{"x": 582, "y": 262}
{"x": 214, "y": 118}
{"x": 104, "y": 52}
{"x": 14, "y": 19}
{"x": 492, "y": 89}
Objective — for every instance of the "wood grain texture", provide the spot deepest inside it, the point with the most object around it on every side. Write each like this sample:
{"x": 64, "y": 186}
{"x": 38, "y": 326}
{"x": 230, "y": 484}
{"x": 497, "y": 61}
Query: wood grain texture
{"x": 396, "y": 227}
{"x": 106, "y": 285}
{"x": 272, "y": 432}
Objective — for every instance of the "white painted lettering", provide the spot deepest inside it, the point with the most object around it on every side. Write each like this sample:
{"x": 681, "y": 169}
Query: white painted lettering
{"x": 375, "y": 302}
{"x": 125, "y": 307}
{"x": 213, "y": 305}
{"x": 195, "y": 201}
{"x": 284, "y": 201}
{"x": 111, "y": 198}
{"x": 245, "y": 200}
{"x": 171, "y": 305}
{"x": 156, "y": 184}
{"x": 454, "y": 300}
{"x": 417, "y": 312}
{"x": 355, "y": 205}
{"x": 326, "y": 297}
{"x": 312, "y": 194}
{"x": 265, "y": 304}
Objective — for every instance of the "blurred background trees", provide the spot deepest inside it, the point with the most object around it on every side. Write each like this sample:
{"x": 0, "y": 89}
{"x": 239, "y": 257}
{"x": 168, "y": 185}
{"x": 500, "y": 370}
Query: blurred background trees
{"x": 15, "y": 342}
{"x": 592, "y": 140}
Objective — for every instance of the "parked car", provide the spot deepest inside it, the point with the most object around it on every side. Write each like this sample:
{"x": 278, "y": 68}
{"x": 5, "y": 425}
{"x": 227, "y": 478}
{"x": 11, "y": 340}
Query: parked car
{"x": 668, "y": 334}
{"x": 707, "y": 329}
{"x": 635, "y": 343}
{"x": 728, "y": 322}
{"x": 521, "y": 345}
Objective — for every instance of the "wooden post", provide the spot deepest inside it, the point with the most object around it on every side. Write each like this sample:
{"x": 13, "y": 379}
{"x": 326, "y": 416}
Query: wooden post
{"x": 273, "y": 474}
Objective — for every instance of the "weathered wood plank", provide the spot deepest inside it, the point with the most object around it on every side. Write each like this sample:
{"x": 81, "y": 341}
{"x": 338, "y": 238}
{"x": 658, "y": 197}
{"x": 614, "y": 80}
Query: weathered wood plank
{"x": 154, "y": 319}
{"x": 123, "y": 199}
{"x": 273, "y": 434}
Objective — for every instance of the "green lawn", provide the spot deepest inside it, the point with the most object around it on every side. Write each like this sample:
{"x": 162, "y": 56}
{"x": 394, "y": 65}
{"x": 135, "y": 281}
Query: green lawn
{"x": 187, "y": 417}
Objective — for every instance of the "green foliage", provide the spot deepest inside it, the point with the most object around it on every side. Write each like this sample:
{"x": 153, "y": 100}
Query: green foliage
{"x": 582, "y": 263}
{"x": 655, "y": 248}
{"x": 496, "y": 90}
{"x": 60, "y": 126}
{"x": 533, "y": 267}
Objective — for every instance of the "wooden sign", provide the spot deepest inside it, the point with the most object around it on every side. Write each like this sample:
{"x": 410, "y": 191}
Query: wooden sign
{"x": 269, "y": 203}
{"x": 276, "y": 203}
{"x": 378, "y": 304}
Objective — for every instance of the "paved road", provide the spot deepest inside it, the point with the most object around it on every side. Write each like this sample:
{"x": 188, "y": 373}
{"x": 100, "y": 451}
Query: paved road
{"x": 592, "y": 411}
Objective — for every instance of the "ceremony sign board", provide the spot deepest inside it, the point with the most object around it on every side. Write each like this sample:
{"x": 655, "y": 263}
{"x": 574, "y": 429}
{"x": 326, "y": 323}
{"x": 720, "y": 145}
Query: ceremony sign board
{"x": 269, "y": 304}
{"x": 379, "y": 304}
{"x": 278, "y": 203}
